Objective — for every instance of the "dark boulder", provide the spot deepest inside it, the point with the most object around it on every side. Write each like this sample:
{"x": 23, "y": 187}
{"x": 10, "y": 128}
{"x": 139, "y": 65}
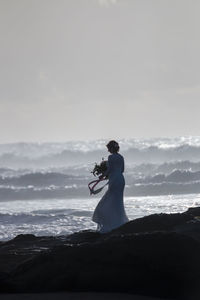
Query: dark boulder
{"x": 157, "y": 255}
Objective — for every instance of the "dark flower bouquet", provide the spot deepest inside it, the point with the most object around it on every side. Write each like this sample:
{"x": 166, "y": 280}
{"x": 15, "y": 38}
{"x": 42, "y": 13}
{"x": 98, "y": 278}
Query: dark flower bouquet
{"x": 100, "y": 169}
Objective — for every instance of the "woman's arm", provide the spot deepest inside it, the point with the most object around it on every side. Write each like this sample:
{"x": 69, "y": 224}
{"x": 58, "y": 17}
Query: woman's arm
{"x": 123, "y": 165}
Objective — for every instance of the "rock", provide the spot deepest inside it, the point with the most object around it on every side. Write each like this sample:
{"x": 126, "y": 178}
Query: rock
{"x": 157, "y": 255}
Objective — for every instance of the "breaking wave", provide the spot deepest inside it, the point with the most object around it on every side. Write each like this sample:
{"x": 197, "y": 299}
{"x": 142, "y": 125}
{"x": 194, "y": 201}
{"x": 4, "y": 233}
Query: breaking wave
{"x": 62, "y": 186}
{"x": 63, "y": 170}
{"x": 38, "y": 155}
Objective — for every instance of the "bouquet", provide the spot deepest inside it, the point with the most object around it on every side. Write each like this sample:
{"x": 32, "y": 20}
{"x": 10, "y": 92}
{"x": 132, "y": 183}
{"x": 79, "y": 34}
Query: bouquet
{"x": 100, "y": 169}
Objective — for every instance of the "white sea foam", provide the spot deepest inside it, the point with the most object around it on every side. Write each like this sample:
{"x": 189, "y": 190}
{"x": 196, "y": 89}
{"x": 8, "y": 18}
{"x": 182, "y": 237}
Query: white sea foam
{"x": 84, "y": 153}
{"x": 35, "y": 150}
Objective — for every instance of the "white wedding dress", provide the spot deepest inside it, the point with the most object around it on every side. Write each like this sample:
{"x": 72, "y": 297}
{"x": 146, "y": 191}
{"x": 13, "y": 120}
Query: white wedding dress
{"x": 110, "y": 212}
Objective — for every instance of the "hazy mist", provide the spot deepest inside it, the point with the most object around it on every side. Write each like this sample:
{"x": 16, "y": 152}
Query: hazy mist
{"x": 89, "y": 69}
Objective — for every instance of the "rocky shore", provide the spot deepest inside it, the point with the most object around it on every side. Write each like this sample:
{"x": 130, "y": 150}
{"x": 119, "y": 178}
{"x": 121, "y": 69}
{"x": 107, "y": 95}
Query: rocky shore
{"x": 158, "y": 256}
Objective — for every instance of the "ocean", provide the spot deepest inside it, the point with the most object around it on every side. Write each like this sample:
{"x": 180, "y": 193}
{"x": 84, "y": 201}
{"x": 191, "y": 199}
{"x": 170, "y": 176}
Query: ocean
{"x": 43, "y": 186}
{"x": 65, "y": 216}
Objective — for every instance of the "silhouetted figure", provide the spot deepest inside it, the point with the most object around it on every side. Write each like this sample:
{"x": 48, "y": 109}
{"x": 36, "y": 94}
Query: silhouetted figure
{"x": 110, "y": 213}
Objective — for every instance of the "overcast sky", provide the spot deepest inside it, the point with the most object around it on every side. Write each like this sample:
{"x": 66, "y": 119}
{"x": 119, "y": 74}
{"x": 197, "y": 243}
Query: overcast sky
{"x": 90, "y": 69}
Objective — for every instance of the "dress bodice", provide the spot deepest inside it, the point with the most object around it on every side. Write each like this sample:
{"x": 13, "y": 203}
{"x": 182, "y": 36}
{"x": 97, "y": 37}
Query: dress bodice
{"x": 115, "y": 164}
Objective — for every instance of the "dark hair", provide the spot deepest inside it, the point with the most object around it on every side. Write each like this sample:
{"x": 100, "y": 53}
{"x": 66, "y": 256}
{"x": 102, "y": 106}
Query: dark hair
{"x": 113, "y": 146}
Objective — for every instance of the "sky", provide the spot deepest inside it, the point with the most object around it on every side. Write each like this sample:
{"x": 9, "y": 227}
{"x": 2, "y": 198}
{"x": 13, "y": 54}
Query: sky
{"x": 92, "y": 69}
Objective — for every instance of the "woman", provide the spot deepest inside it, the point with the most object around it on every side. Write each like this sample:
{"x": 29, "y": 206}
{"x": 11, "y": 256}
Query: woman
{"x": 110, "y": 213}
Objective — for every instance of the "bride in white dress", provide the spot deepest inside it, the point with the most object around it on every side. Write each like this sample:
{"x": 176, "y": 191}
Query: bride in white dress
{"x": 110, "y": 212}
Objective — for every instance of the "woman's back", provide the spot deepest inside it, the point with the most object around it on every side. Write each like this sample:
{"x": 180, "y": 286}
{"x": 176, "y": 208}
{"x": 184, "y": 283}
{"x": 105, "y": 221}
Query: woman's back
{"x": 115, "y": 164}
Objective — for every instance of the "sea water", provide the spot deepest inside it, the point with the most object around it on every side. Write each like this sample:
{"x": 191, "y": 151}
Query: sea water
{"x": 65, "y": 216}
{"x": 44, "y": 186}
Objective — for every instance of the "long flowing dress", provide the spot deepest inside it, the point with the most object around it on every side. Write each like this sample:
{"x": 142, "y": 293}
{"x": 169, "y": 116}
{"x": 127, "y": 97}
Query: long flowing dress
{"x": 110, "y": 212}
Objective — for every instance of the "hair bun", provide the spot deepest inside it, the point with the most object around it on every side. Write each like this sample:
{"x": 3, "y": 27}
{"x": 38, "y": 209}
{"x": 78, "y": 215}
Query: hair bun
{"x": 113, "y": 145}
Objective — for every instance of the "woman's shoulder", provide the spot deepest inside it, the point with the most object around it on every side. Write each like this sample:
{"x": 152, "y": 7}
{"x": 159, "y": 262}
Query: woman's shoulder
{"x": 114, "y": 156}
{"x": 120, "y": 156}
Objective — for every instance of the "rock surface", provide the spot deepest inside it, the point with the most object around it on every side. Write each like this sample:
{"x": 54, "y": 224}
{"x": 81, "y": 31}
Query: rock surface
{"x": 158, "y": 255}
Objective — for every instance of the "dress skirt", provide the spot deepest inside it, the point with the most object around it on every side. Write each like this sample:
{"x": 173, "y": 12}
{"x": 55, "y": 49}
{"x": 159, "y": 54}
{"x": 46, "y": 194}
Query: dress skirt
{"x": 110, "y": 213}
